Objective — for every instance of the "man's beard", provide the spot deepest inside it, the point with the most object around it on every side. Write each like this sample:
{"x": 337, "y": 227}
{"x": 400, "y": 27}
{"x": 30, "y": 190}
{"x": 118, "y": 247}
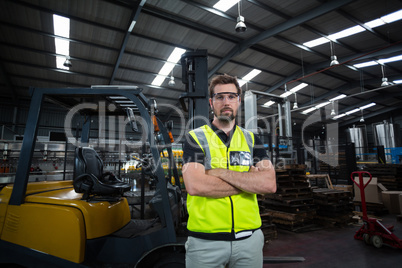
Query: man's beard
{"x": 225, "y": 119}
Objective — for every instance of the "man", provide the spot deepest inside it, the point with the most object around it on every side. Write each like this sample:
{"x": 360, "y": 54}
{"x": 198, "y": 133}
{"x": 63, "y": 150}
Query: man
{"x": 222, "y": 183}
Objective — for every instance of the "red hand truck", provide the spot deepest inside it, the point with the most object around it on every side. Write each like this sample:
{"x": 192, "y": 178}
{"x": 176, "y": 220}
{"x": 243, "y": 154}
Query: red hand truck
{"x": 373, "y": 232}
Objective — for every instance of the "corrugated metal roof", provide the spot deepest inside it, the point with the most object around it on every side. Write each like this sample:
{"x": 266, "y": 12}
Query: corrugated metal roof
{"x": 98, "y": 28}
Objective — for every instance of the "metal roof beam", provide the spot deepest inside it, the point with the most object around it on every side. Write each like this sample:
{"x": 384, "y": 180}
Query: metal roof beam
{"x": 133, "y": 19}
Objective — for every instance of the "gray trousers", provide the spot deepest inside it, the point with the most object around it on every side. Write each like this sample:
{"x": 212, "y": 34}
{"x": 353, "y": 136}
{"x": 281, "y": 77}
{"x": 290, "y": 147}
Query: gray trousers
{"x": 246, "y": 253}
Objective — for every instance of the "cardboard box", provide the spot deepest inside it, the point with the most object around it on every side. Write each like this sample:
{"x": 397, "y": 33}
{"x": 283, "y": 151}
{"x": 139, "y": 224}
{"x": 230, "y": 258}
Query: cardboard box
{"x": 373, "y": 191}
{"x": 391, "y": 201}
{"x": 344, "y": 187}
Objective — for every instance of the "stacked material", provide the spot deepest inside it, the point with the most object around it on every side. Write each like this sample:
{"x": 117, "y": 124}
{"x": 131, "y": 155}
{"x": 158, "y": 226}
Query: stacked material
{"x": 292, "y": 206}
{"x": 268, "y": 228}
{"x": 334, "y": 207}
{"x": 389, "y": 175}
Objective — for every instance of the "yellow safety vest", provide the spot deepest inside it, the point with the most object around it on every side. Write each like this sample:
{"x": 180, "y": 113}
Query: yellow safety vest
{"x": 226, "y": 218}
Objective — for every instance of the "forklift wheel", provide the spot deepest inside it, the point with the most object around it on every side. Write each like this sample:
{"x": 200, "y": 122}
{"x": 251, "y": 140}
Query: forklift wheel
{"x": 366, "y": 238}
{"x": 376, "y": 240}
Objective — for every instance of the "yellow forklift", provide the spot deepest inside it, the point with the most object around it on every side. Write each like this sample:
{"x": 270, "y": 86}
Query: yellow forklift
{"x": 86, "y": 221}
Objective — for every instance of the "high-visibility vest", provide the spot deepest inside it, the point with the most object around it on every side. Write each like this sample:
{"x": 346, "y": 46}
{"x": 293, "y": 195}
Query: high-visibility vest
{"x": 231, "y": 215}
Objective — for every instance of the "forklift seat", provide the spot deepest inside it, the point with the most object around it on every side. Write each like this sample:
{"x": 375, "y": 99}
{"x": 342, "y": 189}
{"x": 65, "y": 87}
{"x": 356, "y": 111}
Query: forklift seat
{"x": 89, "y": 178}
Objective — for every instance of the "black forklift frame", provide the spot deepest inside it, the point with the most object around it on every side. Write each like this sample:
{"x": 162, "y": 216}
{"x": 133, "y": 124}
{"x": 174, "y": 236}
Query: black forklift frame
{"x": 124, "y": 250}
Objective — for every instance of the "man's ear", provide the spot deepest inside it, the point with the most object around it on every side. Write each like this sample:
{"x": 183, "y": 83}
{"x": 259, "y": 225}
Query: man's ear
{"x": 210, "y": 103}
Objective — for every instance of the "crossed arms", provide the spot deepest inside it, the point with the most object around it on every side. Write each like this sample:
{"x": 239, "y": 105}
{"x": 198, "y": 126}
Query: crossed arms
{"x": 219, "y": 182}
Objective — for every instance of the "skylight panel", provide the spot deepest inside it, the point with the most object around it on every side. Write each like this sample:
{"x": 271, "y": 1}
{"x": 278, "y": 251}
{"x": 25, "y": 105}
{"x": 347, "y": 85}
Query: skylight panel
{"x": 380, "y": 61}
{"x": 287, "y": 93}
{"x": 392, "y": 59}
{"x": 61, "y": 27}
{"x": 225, "y": 5}
{"x": 173, "y": 58}
{"x": 352, "y": 111}
{"x": 309, "y": 110}
{"x": 397, "y": 15}
{"x": 322, "y": 104}
{"x": 375, "y": 23}
{"x": 367, "y": 106}
{"x": 365, "y": 64}
{"x": 347, "y": 32}
{"x": 392, "y": 17}
{"x": 248, "y": 77}
{"x": 297, "y": 88}
{"x": 338, "y": 97}
{"x": 268, "y": 103}
{"x": 338, "y": 116}
{"x": 316, "y": 42}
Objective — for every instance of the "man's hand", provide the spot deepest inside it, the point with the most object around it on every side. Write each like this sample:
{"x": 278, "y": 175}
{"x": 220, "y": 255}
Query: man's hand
{"x": 206, "y": 183}
{"x": 253, "y": 169}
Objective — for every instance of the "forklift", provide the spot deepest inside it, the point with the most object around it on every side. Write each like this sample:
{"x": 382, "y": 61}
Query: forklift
{"x": 86, "y": 221}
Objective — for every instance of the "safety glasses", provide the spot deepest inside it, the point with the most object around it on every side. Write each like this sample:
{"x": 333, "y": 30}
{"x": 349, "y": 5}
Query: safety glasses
{"x": 230, "y": 96}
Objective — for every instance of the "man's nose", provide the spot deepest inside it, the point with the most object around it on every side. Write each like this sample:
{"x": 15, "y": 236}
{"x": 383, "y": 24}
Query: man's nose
{"x": 226, "y": 100}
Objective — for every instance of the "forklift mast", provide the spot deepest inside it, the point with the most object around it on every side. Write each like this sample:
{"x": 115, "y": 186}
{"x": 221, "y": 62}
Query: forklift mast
{"x": 195, "y": 77}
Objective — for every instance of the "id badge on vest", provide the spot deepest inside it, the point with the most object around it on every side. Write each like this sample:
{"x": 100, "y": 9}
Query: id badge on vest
{"x": 240, "y": 158}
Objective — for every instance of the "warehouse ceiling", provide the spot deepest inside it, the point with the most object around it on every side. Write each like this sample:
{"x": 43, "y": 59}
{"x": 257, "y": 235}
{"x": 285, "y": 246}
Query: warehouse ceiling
{"x": 103, "y": 51}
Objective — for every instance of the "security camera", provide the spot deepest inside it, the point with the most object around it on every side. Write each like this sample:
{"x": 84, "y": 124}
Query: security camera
{"x": 240, "y": 26}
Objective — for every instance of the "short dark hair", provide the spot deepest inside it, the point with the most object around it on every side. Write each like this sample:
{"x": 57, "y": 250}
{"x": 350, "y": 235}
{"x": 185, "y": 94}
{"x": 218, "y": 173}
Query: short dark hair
{"x": 223, "y": 80}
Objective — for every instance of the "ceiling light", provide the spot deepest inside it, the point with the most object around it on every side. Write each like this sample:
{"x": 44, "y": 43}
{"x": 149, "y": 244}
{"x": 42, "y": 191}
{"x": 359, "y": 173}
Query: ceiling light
{"x": 295, "y": 104}
{"x": 334, "y": 60}
{"x": 384, "y": 82}
{"x": 225, "y": 5}
{"x": 384, "y": 79}
{"x": 240, "y": 26}
{"x": 67, "y": 63}
{"x": 171, "y": 82}
{"x": 333, "y": 108}
{"x": 362, "y": 118}
{"x": 397, "y": 81}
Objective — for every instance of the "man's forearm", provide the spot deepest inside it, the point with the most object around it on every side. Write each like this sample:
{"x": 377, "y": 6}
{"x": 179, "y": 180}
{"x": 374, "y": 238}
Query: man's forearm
{"x": 258, "y": 182}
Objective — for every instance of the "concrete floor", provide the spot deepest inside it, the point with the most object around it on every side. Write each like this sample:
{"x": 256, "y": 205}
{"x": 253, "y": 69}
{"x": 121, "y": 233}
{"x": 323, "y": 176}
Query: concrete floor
{"x": 334, "y": 247}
